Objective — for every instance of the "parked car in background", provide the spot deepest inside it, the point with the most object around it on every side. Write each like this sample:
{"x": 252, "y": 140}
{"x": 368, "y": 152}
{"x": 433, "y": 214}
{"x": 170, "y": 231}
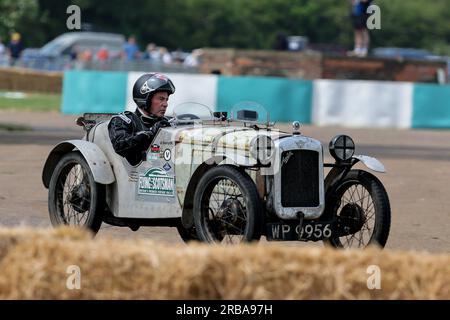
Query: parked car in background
{"x": 411, "y": 53}
{"x": 407, "y": 53}
{"x": 402, "y": 53}
{"x": 66, "y": 47}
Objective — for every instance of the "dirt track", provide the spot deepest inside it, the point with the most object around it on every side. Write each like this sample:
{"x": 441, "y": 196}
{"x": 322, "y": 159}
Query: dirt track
{"x": 418, "y": 164}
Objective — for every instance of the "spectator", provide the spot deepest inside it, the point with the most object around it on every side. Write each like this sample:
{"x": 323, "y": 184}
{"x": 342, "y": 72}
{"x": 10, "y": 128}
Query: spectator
{"x": 131, "y": 50}
{"x": 192, "y": 60}
{"x": 102, "y": 54}
{"x": 15, "y": 47}
{"x": 2, "y": 53}
{"x": 74, "y": 51}
{"x": 151, "y": 52}
{"x": 165, "y": 55}
{"x": 177, "y": 56}
{"x": 85, "y": 55}
{"x": 359, "y": 18}
{"x": 281, "y": 42}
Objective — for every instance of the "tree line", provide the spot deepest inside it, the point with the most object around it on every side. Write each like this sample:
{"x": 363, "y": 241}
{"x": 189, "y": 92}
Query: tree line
{"x": 249, "y": 24}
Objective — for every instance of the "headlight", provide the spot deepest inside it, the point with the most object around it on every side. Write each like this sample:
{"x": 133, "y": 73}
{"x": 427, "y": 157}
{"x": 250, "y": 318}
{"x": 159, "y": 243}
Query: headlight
{"x": 262, "y": 149}
{"x": 342, "y": 148}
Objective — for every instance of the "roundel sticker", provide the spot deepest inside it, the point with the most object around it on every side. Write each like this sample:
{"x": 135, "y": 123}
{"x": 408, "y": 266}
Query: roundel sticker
{"x": 167, "y": 154}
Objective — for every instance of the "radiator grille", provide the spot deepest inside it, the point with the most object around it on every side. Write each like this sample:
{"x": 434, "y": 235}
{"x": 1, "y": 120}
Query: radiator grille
{"x": 300, "y": 178}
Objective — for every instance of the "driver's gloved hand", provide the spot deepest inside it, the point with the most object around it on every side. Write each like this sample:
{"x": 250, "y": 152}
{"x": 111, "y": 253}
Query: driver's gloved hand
{"x": 163, "y": 123}
{"x": 158, "y": 125}
{"x": 143, "y": 136}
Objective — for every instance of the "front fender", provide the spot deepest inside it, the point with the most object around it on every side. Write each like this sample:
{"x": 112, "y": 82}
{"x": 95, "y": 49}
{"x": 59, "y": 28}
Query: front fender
{"x": 94, "y": 156}
{"x": 337, "y": 172}
{"x": 371, "y": 163}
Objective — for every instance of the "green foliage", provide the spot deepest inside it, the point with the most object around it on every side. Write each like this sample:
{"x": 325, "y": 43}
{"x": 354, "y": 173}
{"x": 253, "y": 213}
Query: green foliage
{"x": 19, "y": 16}
{"x": 415, "y": 23}
{"x": 190, "y": 24}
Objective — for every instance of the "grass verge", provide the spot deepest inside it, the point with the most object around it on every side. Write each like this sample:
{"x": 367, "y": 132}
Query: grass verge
{"x": 30, "y": 101}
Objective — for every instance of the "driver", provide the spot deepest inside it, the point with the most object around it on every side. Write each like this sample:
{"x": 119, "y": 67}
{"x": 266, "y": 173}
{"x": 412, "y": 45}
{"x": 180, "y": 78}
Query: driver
{"x": 131, "y": 133}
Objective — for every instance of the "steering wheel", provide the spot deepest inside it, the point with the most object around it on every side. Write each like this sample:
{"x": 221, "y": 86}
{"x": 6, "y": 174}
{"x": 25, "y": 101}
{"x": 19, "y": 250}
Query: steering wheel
{"x": 187, "y": 116}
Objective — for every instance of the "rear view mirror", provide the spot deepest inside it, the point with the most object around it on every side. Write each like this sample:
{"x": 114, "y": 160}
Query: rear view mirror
{"x": 248, "y": 115}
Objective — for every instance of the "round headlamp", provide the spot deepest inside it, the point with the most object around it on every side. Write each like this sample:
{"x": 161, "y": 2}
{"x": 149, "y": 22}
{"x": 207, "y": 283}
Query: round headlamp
{"x": 342, "y": 148}
{"x": 262, "y": 149}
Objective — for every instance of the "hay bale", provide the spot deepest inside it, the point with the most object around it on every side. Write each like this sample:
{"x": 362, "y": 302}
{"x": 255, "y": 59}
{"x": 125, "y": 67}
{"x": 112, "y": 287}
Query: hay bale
{"x": 20, "y": 79}
{"x": 34, "y": 265}
{"x": 10, "y": 237}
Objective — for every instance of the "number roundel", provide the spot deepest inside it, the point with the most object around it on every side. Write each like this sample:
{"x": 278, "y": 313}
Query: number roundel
{"x": 167, "y": 154}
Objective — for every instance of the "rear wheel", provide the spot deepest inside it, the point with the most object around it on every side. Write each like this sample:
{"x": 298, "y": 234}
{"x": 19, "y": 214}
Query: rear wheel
{"x": 74, "y": 197}
{"x": 227, "y": 207}
{"x": 361, "y": 205}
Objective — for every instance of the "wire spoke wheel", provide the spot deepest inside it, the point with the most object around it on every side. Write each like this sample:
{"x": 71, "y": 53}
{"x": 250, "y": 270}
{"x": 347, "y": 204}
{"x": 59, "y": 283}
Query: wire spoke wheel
{"x": 73, "y": 195}
{"x": 361, "y": 206}
{"x": 357, "y": 212}
{"x": 227, "y": 214}
{"x": 75, "y": 198}
{"x": 227, "y": 207}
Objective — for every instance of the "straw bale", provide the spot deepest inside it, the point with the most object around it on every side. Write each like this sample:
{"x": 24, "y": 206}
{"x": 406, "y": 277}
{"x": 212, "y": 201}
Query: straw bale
{"x": 21, "y": 79}
{"x": 34, "y": 265}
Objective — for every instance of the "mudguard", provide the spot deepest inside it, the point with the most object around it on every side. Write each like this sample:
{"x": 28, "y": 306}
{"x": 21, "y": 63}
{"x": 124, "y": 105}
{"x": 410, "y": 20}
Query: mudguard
{"x": 371, "y": 163}
{"x": 336, "y": 172}
{"x": 94, "y": 156}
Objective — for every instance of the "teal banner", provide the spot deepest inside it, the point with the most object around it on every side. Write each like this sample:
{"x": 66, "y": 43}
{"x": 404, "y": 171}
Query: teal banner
{"x": 91, "y": 91}
{"x": 431, "y": 106}
{"x": 285, "y": 99}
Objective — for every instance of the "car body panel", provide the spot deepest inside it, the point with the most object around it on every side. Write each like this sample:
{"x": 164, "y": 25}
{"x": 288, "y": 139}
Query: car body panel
{"x": 96, "y": 159}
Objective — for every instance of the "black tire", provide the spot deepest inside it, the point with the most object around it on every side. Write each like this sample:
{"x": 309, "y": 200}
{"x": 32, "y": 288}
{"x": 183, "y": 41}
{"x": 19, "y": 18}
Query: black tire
{"x": 187, "y": 235}
{"x": 241, "y": 219}
{"x": 363, "y": 191}
{"x": 78, "y": 202}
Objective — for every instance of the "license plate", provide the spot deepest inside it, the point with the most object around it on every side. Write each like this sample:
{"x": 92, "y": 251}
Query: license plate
{"x": 293, "y": 232}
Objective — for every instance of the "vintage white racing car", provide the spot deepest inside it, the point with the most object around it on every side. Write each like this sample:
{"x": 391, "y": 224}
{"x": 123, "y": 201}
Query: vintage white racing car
{"x": 220, "y": 177}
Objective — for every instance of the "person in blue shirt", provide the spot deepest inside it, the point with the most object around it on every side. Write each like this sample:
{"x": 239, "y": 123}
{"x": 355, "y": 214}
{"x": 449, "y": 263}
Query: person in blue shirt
{"x": 359, "y": 18}
{"x": 131, "y": 50}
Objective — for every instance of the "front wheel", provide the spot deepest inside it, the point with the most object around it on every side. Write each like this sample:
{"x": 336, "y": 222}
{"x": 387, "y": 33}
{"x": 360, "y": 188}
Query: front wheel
{"x": 361, "y": 207}
{"x": 187, "y": 235}
{"x": 227, "y": 207}
{"x": 74, "y": 197}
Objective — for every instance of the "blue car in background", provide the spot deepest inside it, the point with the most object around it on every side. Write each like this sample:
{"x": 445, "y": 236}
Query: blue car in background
{"x": 58, "y": 53}
{"x": 410, "y": 53}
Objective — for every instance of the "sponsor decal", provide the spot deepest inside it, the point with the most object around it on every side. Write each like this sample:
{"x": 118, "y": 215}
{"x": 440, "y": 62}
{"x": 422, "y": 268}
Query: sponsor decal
{"x": 160, "y": 76}
{"x": 167, "y": 167}
{"x": 155, "y": 148}
{"x": 152, "y": 156}
{"x": 156, "y": 182}
{"x": 145, "y": 88}
{"x": 168, "y": 142}
{"x": 167, "y": 154}
{"x": 124, "y": 118}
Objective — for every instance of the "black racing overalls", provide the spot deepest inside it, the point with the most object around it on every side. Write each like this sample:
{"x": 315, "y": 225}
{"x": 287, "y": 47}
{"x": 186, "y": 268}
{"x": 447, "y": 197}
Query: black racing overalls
{"x": 123, "y": 132}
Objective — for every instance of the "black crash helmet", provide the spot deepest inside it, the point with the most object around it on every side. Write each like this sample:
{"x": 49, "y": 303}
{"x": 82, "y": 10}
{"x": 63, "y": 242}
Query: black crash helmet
{"x": 147, "y": 85}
